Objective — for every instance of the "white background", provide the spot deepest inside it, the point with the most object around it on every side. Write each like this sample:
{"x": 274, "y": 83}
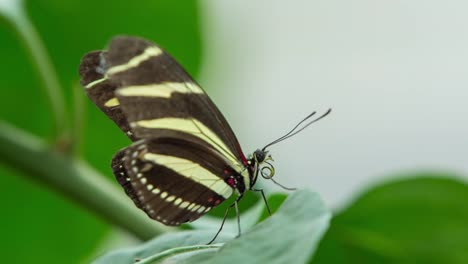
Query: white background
{"x": 394, "y": 72}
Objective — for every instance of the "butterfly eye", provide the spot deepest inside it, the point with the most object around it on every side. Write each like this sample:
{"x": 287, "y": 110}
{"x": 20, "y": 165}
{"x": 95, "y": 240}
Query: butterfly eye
{"x": 260, "y": 155}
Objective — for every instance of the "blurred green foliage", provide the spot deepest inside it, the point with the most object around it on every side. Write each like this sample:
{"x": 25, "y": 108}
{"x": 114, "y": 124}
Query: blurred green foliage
{"x": 420, "y": 219}
{"x": 39, "y": 226}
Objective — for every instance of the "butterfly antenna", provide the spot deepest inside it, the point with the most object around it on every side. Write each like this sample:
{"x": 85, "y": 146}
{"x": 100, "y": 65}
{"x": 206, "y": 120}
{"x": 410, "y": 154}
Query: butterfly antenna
{"x": 293, "y": 131}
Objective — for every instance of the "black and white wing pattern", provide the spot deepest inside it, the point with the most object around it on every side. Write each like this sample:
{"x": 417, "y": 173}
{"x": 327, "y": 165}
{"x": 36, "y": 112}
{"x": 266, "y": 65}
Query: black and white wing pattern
{"x": 185, "y": 158}
{"x": 174, "y": 181}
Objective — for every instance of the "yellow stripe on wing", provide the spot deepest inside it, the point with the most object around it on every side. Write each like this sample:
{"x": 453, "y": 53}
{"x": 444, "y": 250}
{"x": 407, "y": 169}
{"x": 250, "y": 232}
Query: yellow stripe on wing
{"x": 93, "y": 83}
{"x": 195, "y": 128}
{"x": 163, "y": 90}
{"x": 135, "y": 61}
{"x": 193, "y": 171}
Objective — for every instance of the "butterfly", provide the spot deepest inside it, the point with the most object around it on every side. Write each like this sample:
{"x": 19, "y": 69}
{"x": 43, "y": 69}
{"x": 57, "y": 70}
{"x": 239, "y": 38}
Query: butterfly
{"x": 184, "y": 159}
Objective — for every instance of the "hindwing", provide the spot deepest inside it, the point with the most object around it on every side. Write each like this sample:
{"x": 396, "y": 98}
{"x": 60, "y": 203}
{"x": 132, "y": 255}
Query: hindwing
{"x": 173, "y": 180}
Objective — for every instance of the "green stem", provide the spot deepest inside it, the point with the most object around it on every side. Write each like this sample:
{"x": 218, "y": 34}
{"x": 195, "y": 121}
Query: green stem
{"x": 75, "y": 179}
{"x": 79, "y": 115}
{"x": 44, "y": 67}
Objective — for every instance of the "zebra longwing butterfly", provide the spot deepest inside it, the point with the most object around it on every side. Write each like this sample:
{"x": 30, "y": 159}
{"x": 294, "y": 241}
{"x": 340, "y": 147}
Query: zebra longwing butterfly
{"x": 185, "y": 158}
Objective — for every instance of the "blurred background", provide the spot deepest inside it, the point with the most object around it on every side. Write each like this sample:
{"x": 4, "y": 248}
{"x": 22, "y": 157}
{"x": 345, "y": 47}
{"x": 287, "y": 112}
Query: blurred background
{"x": 394, "y": 72}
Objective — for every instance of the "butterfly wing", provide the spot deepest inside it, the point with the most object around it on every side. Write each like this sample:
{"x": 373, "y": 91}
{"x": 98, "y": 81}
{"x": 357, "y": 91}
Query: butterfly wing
{"x": 184, "y": 150}
{"x": 101, "y": 90}
{"x": 174, "y": 181}
{"x": 143, "y": 89}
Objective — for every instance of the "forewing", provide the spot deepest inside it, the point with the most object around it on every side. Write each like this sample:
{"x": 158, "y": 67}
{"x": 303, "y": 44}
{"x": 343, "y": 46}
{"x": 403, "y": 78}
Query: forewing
{"x": 101, "y": 90}
{"x": 156, "y": 93}
{"x": 174, "y": 181}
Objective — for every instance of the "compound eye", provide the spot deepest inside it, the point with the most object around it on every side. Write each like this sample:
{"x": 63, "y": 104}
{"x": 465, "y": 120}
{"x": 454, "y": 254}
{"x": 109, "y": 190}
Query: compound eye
{"x": 259, "y": 155}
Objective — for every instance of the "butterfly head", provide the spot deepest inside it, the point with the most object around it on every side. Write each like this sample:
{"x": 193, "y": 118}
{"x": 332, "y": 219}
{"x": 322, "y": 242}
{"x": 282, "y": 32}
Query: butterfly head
{"x": 262, "y": 159}
{"x": 260, "y": 155}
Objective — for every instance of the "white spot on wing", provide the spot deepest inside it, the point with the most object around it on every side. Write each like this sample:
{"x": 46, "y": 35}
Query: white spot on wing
{"x": 201, "y": 209}
{"x": 191, "y": 206}
{"x": 196, "y": 207}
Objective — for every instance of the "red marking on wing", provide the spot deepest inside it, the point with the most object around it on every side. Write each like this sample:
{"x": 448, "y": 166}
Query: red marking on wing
{"x": 231, "y": 182}
{"x": 241, "y": 154}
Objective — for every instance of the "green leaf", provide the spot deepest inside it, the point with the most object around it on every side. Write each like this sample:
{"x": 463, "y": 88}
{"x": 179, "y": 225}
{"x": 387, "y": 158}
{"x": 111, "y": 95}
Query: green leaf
{"x": 418, "y": 220}
{"x": 162, "y": 247}
{"x": 290, "y": 235}
{"x": 249, "y": 217}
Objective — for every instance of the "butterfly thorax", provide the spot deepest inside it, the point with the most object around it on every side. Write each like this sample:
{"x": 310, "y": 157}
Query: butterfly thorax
{"x": 236, "y": 181}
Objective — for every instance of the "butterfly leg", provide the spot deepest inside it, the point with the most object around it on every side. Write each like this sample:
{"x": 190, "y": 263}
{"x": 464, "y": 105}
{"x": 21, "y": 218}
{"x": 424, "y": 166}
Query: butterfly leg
{"x": 238, "y": 217}
{"x": 264, "y": 199}
{"x": 225, "y": 217}
{"x": 222, "y": 224}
